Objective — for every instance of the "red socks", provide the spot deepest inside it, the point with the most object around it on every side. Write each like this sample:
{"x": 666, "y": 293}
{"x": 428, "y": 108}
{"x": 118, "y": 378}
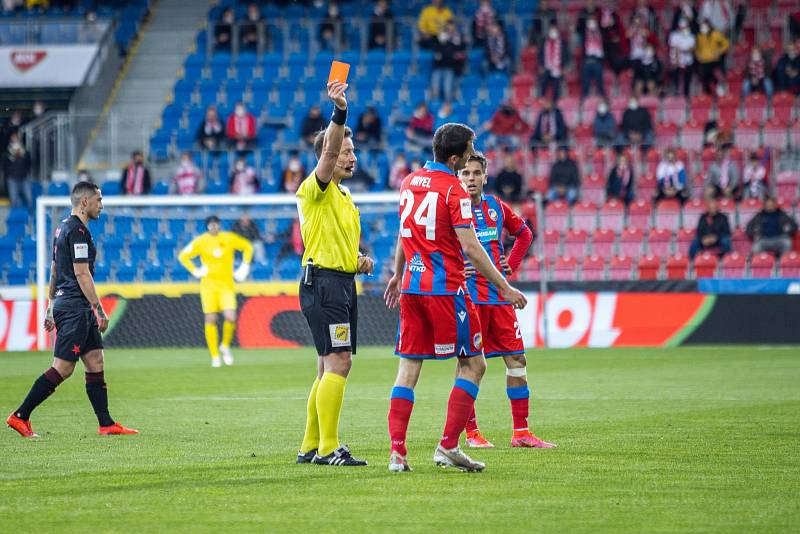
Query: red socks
{"x": 400, "y": 406}
{"x": 519, "y": 397}
{"x": 459, "y": 408}
{"x": 472, "y": 422}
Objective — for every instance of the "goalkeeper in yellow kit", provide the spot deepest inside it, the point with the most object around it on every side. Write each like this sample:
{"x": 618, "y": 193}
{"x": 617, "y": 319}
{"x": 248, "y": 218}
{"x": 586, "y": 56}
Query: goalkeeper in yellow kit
{"x": 217, "y": 294}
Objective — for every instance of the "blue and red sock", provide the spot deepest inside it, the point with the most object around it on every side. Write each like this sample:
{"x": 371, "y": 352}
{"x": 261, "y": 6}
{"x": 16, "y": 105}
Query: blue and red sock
{"x": 401, "y": 404}
{"x": 459, "y": 408}
{"x": 519, "y": 398}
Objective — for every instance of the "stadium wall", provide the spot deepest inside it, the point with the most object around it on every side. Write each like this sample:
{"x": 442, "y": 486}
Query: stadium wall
{"x": 632, "y": 314}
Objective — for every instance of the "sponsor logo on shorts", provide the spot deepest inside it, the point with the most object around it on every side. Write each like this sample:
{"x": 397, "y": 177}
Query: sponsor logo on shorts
{"x": 466, "y": 208}
{"x": 416, "y": 265}
{"x": 81, "y": 250}
{"x": 492, "y": 214}
{"x": 340, "y": 334}
{"x": 477, "y": 341}
{"x": 444, "y": 349}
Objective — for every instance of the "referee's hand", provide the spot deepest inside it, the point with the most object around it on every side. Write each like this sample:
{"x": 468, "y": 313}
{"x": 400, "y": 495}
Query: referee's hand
{"x": 392, "y": 294}
{"x": 365, "y": 265}
{"x": 336, "y": 91}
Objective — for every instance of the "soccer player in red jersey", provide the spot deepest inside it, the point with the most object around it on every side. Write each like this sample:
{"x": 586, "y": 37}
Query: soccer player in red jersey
{"x": 501, "y": 333}
{"x": 437, "y": 317}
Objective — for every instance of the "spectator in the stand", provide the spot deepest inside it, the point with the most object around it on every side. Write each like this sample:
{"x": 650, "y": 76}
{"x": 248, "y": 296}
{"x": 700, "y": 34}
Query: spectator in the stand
{"x": 449, "y": 56}
{"x": 713, "y": 232}
{"x": 398, "y": 171}
{"x": 498, "y": 58}
{"x": 593, "y": 59}
{"x": 443, "y": 115}
{"x": 508, "y": 182}
{"x": 648, "y": 15}
{"x": 757, "y": 78}
{"x": 249, "y": 29}
{"x": 16, "y": 168}
{"x": 637, "y": 124}
{"x": 639, "y": 38}
{"x": 293, "y": 174}
{"x": 241, "y": 127}
{"x": 615, "y": 39}
{"x": 648, "y": 74}
{"x": 243, "y": 179}
{"x": 685, "y": 10}
{"x": 431, "y": 22}
{"x": 681, "y": 56}
{"x": 671, "y": 178}
{"x": 550, "y": 125}
{"x": 710, "y": 50}
{"x": 248, "y": 229}
{"x": 369, "y": 130}
{"x": 223, "y": 30}
{"x": 604, "y": 127}
{"x": 506, "y": 126}
{"x": 38, "y": 109}
{"x": 588, "y": 11}
{"x": 84, "y": 176}
{"x": 485, "y": 16}
{"x": 553, "y": 57}
{"x": 14, "y": 123}
{"x": 381, "y": 25}
{"x": 722, "y": 178}
{"x": 754, "y": 178}
{"x": 719, "y": 13}
{"x": 787, "y": 71}
{"x": 419, "y": 132}
{"x": 544, "y": 17}
{"x": 771, "y": 229}
{"x": 331, "y": 29}
{"x": 211, "y": 131}
{"x": 188, "y": 179}
{"x": 312, "y": 124}
{"x": 565, "y": 178}
{"x": 135, "y": 179}
{"x": 361, "y": 180}
{"x": 620, "y": 184}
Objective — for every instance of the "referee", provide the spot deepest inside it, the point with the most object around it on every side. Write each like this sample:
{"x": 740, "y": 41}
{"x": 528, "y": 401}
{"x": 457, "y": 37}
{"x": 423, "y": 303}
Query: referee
{"x": 76, "y": 313}
{"x": 331, "y": 229}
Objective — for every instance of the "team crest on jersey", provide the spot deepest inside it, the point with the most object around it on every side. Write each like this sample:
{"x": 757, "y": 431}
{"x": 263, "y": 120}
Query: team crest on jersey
{"x": 477, "y": 341}
{"x": 492, "y": 214}
{"x": 217, "y": 252}
{"x": 340, "y": 334}
{"x": 416, "y": 265}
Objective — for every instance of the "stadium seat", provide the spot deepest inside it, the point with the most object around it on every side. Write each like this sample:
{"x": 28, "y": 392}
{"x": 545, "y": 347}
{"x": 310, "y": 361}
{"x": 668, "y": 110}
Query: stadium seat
{"x": 110, "y": 188}
{"x": 700, "y": 109}
{"x": 126, "y": 273}
{"x": 593, "y": 268}
{"x": 565, "y": 268}
{"x": 531, "y": 269}
{"x": 747, "y": 209}
{"x": 668, "y": 214}
{"x": 584, "y": 216}
{"x": 640, "y": 213}
{"x": 8, "y": 247}
{"x": 740, "y": 242}
{"x": 762, "y": 265}
{"x": 692, "y": 211}
{"x": 603, "y": 241}
{"x": 677, "y": 267}
{"x": 692, "y": 135}
{"x": 648, "y": 267}
{"x": 775, "y": 130}
{"x": 575, "y": 243}
{"x": 755, "y": 108}
{"x": 728, "y": 108}
{"x": 790, "y": 265}
{"x": 733, "y": 266}
{"x": 551, "y": 242}
{"x": 748, "y": 135}
{"x": 783, "y": 105}
{"x": 659, "y": 242}
{"x": 674, "y": 109}
{"x": 620, "y": 268}
{"x": 612, "y": 215}
{"x": 630, "y": 242}
{"x": 705, "y": 265}
{"x": 154, "y": 273}
{"x": 557, "y": 216}
{"x": 666, "y": 135}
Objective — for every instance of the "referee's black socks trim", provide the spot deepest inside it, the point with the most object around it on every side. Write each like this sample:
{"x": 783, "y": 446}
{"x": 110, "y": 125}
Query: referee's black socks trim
{"x": 42, "y": 387}
{"x": 98, "y": 396}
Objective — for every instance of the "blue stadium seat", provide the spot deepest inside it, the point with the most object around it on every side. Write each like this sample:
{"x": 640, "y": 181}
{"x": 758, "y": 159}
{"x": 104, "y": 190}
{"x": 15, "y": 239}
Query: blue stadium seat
{"x": 149, "y": 227}
{"x": 166, "y": 249}
{"x": 139, "y": 249}
{"x": 29, "y": 252}
{"x": 176, "y": 227}
{"x": 289, "y": 268}
{"x": 111, "y": 251}
{"x": 102, "y": 272}
{"x": 16, "y": 221}
{"x": 8, "y": 247}
{"x": 110, "y": 188}
{"x": 126, "y": 273}
{"x": 160, "y": 188}
{"x": 217, "y": 187}
{"x": 179, "y": 274}
{"x": 261, "y": 271}
{"x": 58, "y": 189}
{"x": 154, "y": 273}
{"x": 17, "y": 275}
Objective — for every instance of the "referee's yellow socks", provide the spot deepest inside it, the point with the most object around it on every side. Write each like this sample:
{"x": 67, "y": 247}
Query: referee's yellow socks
{"x": 212, "y": 339}
{"x": 311, "y": 437}
{"x": 330, "y": 394}
{"x": 228, "y": 329}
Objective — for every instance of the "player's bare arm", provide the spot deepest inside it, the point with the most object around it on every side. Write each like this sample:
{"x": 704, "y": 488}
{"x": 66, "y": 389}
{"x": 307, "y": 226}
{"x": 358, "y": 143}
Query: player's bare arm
{"x": 392, "y": 294}
{"x": 334, "y": 135}
{"x": 477, "y": 256}
{"x": 85, "y": 280}
{"x": 49, "y": 322}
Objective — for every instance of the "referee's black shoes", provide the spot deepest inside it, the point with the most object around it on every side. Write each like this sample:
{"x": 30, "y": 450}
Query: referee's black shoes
{"x": 340, "y": 456}
{"x": 305, "y": 458}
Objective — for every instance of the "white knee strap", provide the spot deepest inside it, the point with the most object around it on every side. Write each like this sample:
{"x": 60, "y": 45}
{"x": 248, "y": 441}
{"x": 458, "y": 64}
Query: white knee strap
{"x": 517, "y": 372}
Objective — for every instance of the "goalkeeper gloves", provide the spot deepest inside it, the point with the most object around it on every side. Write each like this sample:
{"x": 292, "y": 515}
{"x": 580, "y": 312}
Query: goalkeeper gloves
{"x": 200, "y": 272}
{"x": 241, "y": 272}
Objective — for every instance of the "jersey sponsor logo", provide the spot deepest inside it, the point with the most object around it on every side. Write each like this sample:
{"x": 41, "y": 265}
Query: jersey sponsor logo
{"x": 444, "y": 348}
{"x": 340, "y": 334}
{"x": 421, "y": 181}
{"x": 492, "y": 214}
{"x": 477, "y": 341}
{"x": 466, "y": 208}
{"x": 416, "y": 265}
{"x": 81, "y": 250}
{"x": 487, "y": 234}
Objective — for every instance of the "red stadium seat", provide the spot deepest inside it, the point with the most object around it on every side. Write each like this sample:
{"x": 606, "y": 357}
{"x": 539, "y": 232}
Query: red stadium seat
{"x": 734, "y": 265}
{"x": 570, "y": 107}
{"x": 612, "y": 215}
{"x": 692, "y": 135}
{"x": 674, "y": 109}
{"x": 575, "y": 242}
{"x": 584, "y": 216}
{"x": 707, "y": 157}
{"x": 648, "y": 267}
{"x": 659, "y": 242}
{"x": 531, "y": 268}
{"x": 565, "y": 269}
{"x": 786, "y": 184}
{"x": 556, "y": 216}
{"x": 790, "y": 265}
{"x": 599, "y": 161}
{"x": 593, "y": 189}
{"x": 762, "y": 265}
{"x": 522, "y": 86}
{"x": 529, "y": 59}
{"x": 683, "y": 240}
{"x": 639, "y": 214}
{"x": 728, "y": 108}
{"x": 783, "y": 105}
{"x": 646, "y": 187}
{"x": 728, "y": 207}
{"x": 700, "y": 108}
{"x": 584, "y": 135}
{"x": 589, "y": 109}
{"x": 692, "y": 211}
{"x": 620, "y": 268}
{"x": 538, "y": 183}
{"x": 677, "y": 267}
{"x": 747, "y": 210}
{"x": 755, "y": 108}
{"x": 668, "y": 214}
{"x": 618, "y": 105}
{"x": 740, "y": 242}
{"x": 697, "y": 183}
{"x": 552, "y": 243}
{"x": 775, "y": 132}
{"x": 666, "y": 135}
{"x": 630, "y": 242}
{"x": 593, "y": 268}
{"x": 748, "y": 135}
{"x": 603, "y": 241}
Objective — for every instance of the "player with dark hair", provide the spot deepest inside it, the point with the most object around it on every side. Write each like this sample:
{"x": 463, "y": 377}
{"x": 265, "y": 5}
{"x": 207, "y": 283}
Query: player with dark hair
{"x": 75, "y": 311}
{"x": 499, "y": 325}
{"x": 331, "y": 230}
{"x": 437, "y": 317}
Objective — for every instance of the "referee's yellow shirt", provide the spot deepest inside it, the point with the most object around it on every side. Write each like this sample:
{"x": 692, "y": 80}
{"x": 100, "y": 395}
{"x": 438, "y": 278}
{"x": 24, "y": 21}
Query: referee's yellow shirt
{"x": 330, "y": 225}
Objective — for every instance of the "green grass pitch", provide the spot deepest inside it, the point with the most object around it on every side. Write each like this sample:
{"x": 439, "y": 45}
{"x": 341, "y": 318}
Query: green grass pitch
{"x": 650, "y": 440}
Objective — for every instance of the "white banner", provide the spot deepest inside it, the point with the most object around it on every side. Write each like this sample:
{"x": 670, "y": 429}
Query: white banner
{"x": 47, "y": 66}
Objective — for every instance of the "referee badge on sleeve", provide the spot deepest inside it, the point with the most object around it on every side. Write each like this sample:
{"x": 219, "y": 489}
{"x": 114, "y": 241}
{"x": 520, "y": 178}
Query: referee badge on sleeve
{"x": 340, "y": 334}
{"x": 81, "y": 251}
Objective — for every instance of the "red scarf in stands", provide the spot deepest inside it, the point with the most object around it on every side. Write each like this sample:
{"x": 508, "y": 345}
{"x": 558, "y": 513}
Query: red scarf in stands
{"x": 552, "y": 57}
{"x": 594, "y": 43}
{"x": 186, "y": 179}
{"x": 134, "y": 184}
{"x": 724, "y": 174}
{"x": 241, "y": 125}
{"x": 624, "y": 173}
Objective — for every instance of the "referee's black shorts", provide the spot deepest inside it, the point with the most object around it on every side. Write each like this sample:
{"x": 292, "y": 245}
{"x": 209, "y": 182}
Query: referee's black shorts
{"x": 331, "y": 309}
{"x": 76, "y": 333}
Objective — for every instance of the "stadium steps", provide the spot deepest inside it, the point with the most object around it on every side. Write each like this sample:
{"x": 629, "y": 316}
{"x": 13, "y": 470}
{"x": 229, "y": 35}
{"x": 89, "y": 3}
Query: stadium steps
{"x": 148, "y": 80}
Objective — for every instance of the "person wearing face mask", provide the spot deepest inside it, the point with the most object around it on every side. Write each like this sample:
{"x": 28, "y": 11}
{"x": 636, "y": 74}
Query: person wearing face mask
{"x": 135, "y": 178}
{"x": 648, "y": 73}
{"x": 252, "y": 31}
{"x": 593, "y": 59}
{"x": 637, "y": 125}
{"x": 604, "y": 126}
{"x": 431, "y": 22}
{"x": 681, "y": 56}
{"x": 553, "y": 57}
{"x": 565, "y": 178}
{"x": 757, "y": 79}
{"x": 449, "y": 55}
{"x": 223, "y": 30}
{"x": 787, "y": 71}
{"x": 293, "y": 174}
{"x": 241, "y": 127}
{"x": 710, "y": 50}
{"x": 550, "y": 126}
{"x": 497, "y": 54}
{"x": 211, "y": 131}
{"x": 16, "y": 165}
{"x": 671, "y": 179}
{"x": 722, "y": 178}
{"x": 331, "y": 34}
{"x": 188, "y": 179}
{"x": 381, "y": 25}
{"x": 621, "y": 180}
{"x": 506, "y": 126}
{"x": 243, "y": 179}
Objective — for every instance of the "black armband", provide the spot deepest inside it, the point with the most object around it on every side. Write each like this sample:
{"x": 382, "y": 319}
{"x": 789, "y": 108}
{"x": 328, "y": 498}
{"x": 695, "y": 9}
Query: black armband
{"x": 339, "y": 116}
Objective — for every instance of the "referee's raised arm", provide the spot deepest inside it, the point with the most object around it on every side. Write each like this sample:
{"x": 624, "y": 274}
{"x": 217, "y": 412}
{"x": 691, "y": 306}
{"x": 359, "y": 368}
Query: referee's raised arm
{"x": 334, "y": 134}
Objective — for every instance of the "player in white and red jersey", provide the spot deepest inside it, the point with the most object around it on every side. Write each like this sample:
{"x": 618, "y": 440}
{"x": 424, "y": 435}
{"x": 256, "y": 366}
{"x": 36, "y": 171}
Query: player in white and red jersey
{"x": 437, "y": 318}
{"x": 499, "y": 325}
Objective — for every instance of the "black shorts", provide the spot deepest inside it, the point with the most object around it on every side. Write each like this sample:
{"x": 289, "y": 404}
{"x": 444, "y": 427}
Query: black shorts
{"x": 76, "y": 333}
{"x": 330, "y": 307}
